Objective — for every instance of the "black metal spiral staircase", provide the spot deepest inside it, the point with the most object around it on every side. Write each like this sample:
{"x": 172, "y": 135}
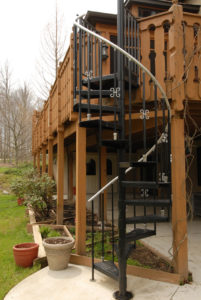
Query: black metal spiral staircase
{"x": 106, "y": 102}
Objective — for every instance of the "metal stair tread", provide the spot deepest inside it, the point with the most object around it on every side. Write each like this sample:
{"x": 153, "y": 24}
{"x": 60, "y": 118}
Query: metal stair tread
{"x": 138, "y": 234}
{"x": 94, "y": 108}
{"x": 146, "y": 219}
{"x": 108, "y": 268}
{"x": 95, "y": 123}
{"x": 115, "y": 143}
{"x": 136, "y": 164}
{"x": 142, "y": 163}
{"x": 138, "y": 184}
{"x": 107, "y": 81}
{"x": 148, "y": 202}
{"x": 93, "y": 93}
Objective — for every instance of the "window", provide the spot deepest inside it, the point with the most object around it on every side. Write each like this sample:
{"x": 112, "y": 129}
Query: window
{"x": 146, "y": 12}
{"x": 91, "y": 167}
{"x": 109, "y": 167}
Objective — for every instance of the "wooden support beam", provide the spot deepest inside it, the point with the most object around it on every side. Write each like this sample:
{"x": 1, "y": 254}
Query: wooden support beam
{"x": 104, "y": 177}
{"x": 80, "y": 189}
{"x": 50, "y": 156}
{"x": 60, "y": 174}
{"x": 43, "y": 159}
{"x": 38, "y": 161}
{"x": 34, "y": 160}
{"x": 179, "y": 217}
{"x": 70, "y": 176}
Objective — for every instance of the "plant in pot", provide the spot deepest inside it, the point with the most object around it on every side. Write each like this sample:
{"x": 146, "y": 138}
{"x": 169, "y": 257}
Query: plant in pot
{"x": 58, "y": 250}
{"x": 18, "y": 188}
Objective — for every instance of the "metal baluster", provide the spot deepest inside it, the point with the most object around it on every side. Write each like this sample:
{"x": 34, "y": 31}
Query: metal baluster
{"x": 130, "y": 110}
{"x": 84, "y": 50}
{"x": 128, "y": 34}
{"x": 92, "y": 240}
{"x": 88, "y": 76}
{"x": 132, "y": 50}
{"x": 115, "y": 85}
{"x": 100, "y": 93}
{"x": 91, "y": 54}
{"x": 112, "y": 223}
{"x": 95, "y": 48}
{"x": 156, "y": 144}
{"x": 135, "y": 43}
{"x": 75, "y": 64}
{"x": 144, "y": 114}
{"x": 103, "y": 226}
{"x": 80, "y": 71}
{"x": 144, "y": 134}
{"x": 138, "y": 49}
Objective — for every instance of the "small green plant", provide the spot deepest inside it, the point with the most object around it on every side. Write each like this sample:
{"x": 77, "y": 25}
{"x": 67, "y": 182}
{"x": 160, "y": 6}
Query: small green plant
{"x": 48, "y": 232}
{"x": 53, "y": 233}
{"x": 44, "y": 231}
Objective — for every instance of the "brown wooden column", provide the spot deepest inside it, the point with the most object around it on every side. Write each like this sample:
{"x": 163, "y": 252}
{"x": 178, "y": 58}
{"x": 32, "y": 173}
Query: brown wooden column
{"x": 50, "y": 156}
{"x": 60, "y": 174}
{"x": 34, "y": 160}
{"x": 179, "y": 217}
{"x": 80, "y": 189}
{"x": 104, "y": 177}
{"x": 43, "y": 159}
{"x": 70, "y": 176}
{"x": 38, "y": 161}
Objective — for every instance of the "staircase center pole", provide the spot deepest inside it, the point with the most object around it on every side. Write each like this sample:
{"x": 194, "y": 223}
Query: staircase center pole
{"x": 121, "y": 294}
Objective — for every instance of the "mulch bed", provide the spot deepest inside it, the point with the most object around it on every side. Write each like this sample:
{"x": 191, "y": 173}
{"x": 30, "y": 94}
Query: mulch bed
{"x": 149, "y": 259}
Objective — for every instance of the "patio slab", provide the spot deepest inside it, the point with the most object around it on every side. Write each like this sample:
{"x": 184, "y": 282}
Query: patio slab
{"x": 74, "y": 283}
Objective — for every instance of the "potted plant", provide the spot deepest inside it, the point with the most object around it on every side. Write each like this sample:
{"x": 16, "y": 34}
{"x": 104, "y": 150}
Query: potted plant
{"x": 18, "y": 188}
{"x": 25, "y": 253}
{"x": 58, "y": 250}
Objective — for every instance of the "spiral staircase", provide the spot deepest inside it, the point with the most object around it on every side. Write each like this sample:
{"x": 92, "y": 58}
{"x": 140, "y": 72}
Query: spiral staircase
{"x": 107, "y": 102}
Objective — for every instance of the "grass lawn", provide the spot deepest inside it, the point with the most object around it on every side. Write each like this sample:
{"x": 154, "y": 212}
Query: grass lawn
{"x": 12, "y": 231}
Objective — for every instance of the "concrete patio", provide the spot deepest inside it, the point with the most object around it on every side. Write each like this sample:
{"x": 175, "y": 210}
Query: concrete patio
{"x": 74, "y": 283}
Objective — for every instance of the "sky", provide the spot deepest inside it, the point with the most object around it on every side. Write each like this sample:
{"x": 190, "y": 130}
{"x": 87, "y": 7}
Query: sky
{"x": 22, "y": 23}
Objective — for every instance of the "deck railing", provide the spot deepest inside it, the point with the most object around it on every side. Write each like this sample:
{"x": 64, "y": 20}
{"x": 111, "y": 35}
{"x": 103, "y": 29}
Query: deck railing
{"x": 159, "y": 50}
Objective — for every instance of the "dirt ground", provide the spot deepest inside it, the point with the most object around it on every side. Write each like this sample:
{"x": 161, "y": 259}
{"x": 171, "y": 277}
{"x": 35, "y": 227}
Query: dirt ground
{"x": 147, "y": 258}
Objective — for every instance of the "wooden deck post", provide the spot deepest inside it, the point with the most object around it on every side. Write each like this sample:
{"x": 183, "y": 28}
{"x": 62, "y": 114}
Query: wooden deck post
{"x": 80, "y": 189}
{"x": 43, "y": 159}
{"x": 104, "y": 177}
{"x": 38, "y": 161}
{"x": 60, "y": 174}
{"x": 50, "y": 156}
{"x": 179, "y": 217}
{"x": 34, "y": 160}
{"x": 70, "y": 176}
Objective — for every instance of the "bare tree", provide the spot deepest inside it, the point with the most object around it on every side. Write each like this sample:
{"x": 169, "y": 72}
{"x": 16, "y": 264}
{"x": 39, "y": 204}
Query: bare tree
{"x": 15, "y": 120}
{"x": 52, "y": 51}
{"x": 5, "y": 106}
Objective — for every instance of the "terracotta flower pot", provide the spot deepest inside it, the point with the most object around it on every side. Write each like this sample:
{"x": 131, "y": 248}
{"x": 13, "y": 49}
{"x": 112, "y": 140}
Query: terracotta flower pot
{"x": 20, "y": 201}
{"x": 58, "y": 250}
{"x": 25, "y": 253}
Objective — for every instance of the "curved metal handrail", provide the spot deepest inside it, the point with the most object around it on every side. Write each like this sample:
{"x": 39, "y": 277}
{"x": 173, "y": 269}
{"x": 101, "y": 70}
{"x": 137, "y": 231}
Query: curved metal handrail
{"x": 145, "y": 70}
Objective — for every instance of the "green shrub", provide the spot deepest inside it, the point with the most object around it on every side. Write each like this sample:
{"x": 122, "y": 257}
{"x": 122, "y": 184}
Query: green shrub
{"x": 36, "y": 190}
{"x": 48, "y": 232}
